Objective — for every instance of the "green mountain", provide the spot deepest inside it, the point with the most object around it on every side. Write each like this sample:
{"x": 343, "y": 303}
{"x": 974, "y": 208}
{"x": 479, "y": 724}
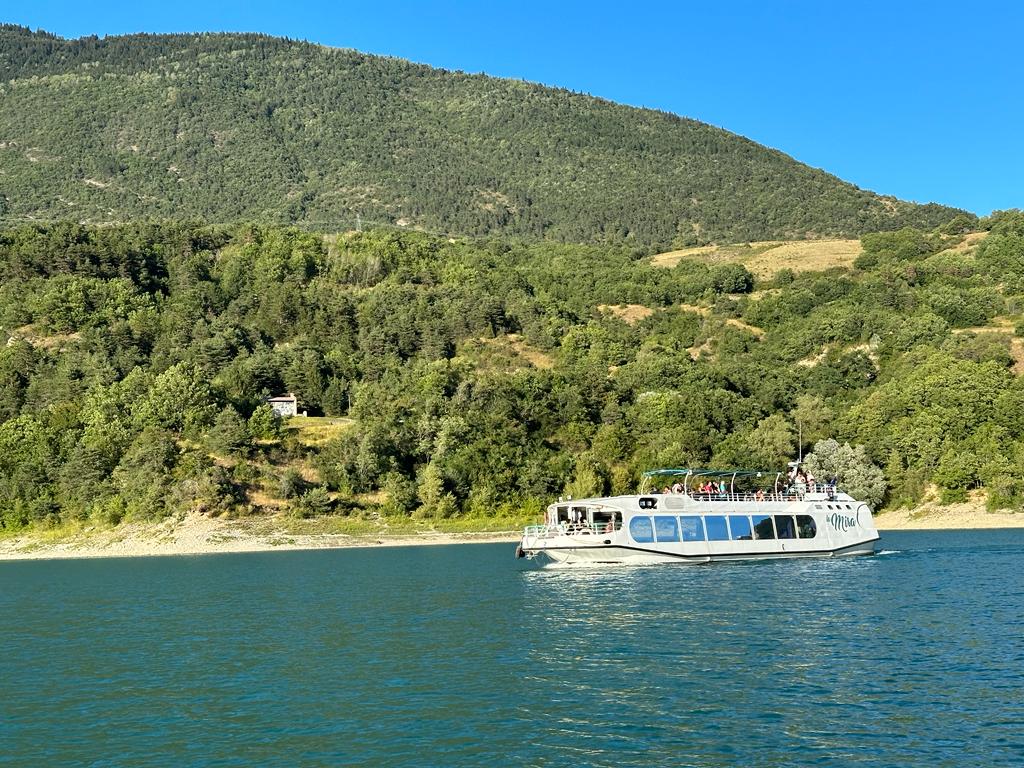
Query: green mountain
{"x": 228, "y": 127}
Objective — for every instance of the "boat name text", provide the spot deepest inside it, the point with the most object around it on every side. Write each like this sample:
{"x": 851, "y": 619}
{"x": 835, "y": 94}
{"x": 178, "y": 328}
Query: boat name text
{"x": 842, "y": 523}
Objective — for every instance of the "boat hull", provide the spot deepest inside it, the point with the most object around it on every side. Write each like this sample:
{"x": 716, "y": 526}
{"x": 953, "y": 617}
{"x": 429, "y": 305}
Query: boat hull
{"x": 586, "y": 555}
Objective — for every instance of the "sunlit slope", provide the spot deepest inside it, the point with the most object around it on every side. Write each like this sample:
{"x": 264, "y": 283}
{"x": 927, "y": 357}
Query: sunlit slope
{"x": 231, "y": 127}
{"x": 764, "y": 259}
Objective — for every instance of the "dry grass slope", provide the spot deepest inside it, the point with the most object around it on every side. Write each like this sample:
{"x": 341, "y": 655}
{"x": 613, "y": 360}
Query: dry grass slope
{"x": 764, "y": 259}
{"x": 631, "y": 314}
{"x": 1002, "y": 328}
{"x": 317, "y": 430}
{"x": 510, "y": 352}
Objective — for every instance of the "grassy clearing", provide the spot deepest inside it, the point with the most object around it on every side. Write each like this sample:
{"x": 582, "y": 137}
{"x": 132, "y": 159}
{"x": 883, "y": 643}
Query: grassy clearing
{"x": 764, "y": 259}
{"x": 510, "y": 352}
{"x": 42, "y": 340}
{"x": 1000, "y": 324}
{"x": 317, "y": 430}
{"x": 805, "y": 256}
{"x": 631, "y": 314}
{"x": 705, "y": 312}
{"x": 969, "y": 242}
{"x": 713, "y": 254}
{"x": 1003, "y": 328}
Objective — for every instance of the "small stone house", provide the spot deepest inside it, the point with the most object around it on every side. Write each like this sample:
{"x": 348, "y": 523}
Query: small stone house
{"x": 284, "y": 405}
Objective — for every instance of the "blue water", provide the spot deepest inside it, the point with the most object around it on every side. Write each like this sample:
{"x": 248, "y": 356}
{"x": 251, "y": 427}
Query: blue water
{"x": 452, "y": 656}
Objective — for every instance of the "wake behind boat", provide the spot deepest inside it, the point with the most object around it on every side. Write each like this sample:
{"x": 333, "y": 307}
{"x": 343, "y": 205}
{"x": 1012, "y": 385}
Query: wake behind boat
{"x": 704, "y": 515}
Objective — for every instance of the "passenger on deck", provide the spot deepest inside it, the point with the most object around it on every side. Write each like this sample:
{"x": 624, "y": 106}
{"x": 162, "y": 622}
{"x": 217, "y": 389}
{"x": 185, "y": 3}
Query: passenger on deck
{"x": 677, "y": 487}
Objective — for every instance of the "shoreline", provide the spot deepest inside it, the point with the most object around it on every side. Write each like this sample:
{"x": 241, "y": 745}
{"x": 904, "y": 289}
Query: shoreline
{"x": 901, "y": 520}
{"x": 196, "y": 534}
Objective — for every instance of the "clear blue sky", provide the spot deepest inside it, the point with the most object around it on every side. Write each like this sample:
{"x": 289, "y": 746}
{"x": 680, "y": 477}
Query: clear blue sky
{"x": 922, "y": 100}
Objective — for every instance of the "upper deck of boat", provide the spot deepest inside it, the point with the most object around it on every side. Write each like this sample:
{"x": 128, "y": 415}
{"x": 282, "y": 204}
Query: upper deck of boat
{"x": 679, "y": 501}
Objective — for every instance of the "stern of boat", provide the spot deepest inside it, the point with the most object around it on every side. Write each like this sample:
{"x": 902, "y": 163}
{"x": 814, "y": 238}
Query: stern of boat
{"x": 534, "y": 541}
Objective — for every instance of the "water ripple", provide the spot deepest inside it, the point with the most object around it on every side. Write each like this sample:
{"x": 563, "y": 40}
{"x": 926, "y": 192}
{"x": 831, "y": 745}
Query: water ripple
{"x": 449, "y": 656}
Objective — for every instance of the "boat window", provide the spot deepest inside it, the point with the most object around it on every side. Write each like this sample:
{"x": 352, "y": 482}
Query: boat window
{"x": 665, "y": 529}
{"x": 717, "y": 529}
{"x": 648, "y": 503}
{"x": 763, "y": 528}
{"x": 692, "y": 528}
{"x": 640, "y": 530}
{"x": 739, "y": 527}
{"x": 805, "y": 525}
{"x": 785, "y": 526}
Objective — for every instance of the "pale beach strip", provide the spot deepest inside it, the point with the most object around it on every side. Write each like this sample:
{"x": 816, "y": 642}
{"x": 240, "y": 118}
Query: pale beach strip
{"x": 196, "y": 534}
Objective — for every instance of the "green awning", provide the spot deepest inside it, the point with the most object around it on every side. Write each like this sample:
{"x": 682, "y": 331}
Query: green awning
{"x": 670, "y": 472}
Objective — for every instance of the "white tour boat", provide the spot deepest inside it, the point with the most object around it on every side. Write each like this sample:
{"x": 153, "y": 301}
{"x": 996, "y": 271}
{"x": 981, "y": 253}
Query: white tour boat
{"x": 706, "y": 515}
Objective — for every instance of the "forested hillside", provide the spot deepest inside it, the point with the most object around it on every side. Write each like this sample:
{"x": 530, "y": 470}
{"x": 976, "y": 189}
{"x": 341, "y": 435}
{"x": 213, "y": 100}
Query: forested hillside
{"x": 237, "y": 127}
{"x": 474, "y": 377}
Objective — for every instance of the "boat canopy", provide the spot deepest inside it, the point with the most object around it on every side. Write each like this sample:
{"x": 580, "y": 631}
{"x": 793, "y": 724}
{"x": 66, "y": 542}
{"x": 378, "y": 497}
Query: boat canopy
{"x": 686, "y": 473}
{"x": 695, "y": 472}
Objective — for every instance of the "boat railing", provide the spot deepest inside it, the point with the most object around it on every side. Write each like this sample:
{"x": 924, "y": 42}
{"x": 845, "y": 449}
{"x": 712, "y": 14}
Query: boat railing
{"x": 571, "y": 529}
{"x": 794, "y": 494}
{"x": 772, "y": 496}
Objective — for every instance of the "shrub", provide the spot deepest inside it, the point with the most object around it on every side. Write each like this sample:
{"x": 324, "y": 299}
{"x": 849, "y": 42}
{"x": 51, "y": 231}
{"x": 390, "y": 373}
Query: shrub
{"x": 850, "y": 467}
{"x": 315, "y": 502}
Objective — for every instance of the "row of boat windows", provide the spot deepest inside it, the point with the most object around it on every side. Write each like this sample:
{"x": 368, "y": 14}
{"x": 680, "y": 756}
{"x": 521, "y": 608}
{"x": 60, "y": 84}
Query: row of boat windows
{"x": 660, "y": 528}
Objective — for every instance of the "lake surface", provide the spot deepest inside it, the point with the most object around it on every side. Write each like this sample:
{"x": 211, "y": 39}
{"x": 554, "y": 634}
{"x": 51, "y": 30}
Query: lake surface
{"x": 455, "y": 656}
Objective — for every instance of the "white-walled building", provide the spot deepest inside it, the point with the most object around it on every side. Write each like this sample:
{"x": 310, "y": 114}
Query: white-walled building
{"x": 284, "y": 405}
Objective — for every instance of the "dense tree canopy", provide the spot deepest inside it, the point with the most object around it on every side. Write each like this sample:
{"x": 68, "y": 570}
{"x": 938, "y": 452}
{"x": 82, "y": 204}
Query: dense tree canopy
{"x": 473, "y": 377}
{"x": 231, "y": 127}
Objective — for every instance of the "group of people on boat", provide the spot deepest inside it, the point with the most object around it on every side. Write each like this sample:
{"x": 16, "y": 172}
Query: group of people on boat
{"x": 707, "y": 488}
{"x": 798, "y": 477}
{"x": 800, "y": 482}
{"x": 797, "y": 483}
